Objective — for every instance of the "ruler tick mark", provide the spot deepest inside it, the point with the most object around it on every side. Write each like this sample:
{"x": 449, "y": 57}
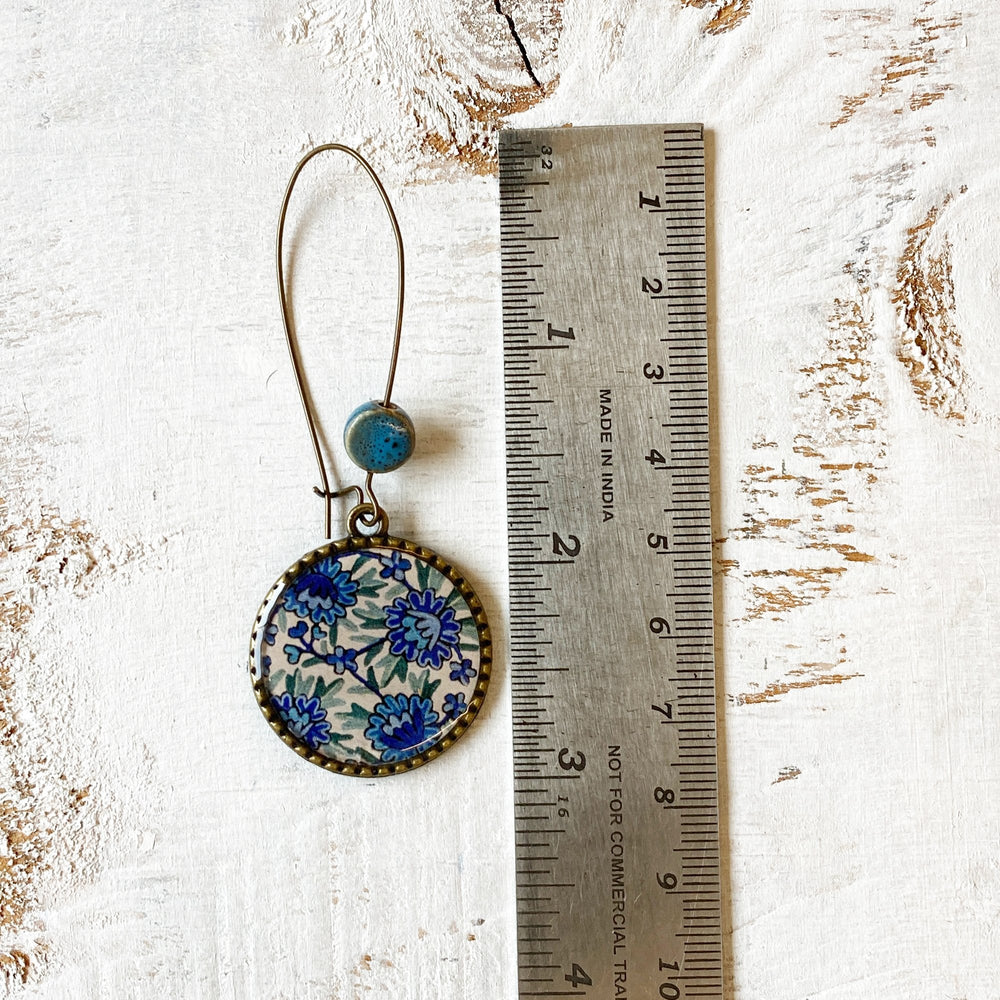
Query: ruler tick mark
{"x": 568, "y": 516}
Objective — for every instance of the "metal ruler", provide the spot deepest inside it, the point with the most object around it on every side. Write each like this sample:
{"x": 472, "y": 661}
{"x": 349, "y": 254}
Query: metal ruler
{"x": 606, "y": 391}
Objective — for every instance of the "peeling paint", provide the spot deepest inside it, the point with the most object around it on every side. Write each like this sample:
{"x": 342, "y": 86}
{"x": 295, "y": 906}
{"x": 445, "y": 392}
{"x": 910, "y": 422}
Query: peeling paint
{"x": 911, "y": 61}
{"x": 788, "y": 773}
{"x": 727, "y": 566}
{"x": 726, "y": 14}
{"x": 39, "y": 806}
{"x": 813, "y": 495}
{"x": 930, "y": 347}
{"x": 49, "y": 827}
{"x": 797, "y": 680}
{"x": 842, "y": 419}
{"x": 483, "y": 112}
{"x": 800, "y": 587}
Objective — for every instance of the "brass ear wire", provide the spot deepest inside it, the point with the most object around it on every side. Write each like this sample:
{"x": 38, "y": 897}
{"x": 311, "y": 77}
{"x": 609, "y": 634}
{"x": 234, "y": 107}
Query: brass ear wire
{"x": 367, "y": 511}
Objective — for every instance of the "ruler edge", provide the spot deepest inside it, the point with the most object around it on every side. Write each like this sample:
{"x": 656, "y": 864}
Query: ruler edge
{"x": 506, "y": 134}
{"x": 507, "y": 138}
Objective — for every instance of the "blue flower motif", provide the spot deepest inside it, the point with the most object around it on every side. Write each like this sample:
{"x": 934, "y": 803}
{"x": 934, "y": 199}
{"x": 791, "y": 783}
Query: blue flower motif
{"x": 400, "y": 727}
{"x": 422, "y": 629}
{"x": 394, "y": 566}
{"x": 463, "y": 673}
{"x": 305, "y": 718}
{"x": 293, "y": 653}
{"x": 342, "y": 659}
{"x": 323, "y": 594}
{"x": 297, "y": 630}
{"x": 454, "y": 704}
{"x": 270, "y": 634}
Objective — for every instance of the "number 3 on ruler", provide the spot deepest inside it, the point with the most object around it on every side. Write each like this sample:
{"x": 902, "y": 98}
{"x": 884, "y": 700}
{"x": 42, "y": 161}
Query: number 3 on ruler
{"x": 569, "y": 761}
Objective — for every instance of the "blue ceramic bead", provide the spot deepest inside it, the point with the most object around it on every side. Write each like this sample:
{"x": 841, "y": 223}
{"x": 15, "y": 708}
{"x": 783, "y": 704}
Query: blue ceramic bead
{"x": 379, "y": 438}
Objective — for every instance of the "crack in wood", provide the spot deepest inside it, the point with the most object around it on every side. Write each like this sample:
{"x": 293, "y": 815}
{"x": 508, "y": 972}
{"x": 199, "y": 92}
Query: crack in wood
{"x": 518, "y": 42}
{"x": 448, "y": 84}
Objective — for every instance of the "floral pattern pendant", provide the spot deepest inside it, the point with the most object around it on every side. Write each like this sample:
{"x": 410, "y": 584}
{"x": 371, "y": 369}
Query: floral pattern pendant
{"x": 370, "y": 656}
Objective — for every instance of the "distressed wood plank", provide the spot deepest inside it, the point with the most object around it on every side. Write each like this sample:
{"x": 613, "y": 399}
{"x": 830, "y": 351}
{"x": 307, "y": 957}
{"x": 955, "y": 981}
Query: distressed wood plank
{"x": 155, "y": 839}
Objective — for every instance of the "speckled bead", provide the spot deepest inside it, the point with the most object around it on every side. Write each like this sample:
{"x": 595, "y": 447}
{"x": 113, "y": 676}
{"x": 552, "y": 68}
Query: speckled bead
{"x": 379, "y": 438}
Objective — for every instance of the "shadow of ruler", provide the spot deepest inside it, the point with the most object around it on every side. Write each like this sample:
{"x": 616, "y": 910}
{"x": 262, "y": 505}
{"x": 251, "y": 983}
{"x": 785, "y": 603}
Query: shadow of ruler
{"x": 610, "y": 553}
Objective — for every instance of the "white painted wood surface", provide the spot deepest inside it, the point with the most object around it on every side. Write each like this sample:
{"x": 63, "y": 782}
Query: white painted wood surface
{"x": 155, "y": 475}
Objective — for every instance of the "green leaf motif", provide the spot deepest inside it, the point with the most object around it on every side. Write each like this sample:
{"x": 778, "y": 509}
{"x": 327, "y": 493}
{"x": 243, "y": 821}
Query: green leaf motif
{"x": 370, "y": 617}
{"x": 324, "y": 689}
{"x": 358, "y": 690}
{"x": 424, "y": 686}
{"x": 358, "y": 713}
{"x": 366, "y": 755}
{"x": 397, "y": 669}
{"x": 372, "y": 655}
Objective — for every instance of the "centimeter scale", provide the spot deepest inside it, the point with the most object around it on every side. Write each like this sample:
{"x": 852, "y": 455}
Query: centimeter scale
{"x": 610, "y": 551}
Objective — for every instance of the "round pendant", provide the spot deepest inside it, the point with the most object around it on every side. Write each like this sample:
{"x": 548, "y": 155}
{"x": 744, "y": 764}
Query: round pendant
{"x": 370, "y": 656}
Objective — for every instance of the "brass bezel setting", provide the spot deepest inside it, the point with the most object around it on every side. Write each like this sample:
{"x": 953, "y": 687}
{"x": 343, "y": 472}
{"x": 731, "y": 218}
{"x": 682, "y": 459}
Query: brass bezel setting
{"x": 355, "y": 543}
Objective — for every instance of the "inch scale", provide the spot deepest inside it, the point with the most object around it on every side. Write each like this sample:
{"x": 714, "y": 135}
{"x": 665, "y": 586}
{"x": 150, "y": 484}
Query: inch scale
{"x": 610, "y": 552}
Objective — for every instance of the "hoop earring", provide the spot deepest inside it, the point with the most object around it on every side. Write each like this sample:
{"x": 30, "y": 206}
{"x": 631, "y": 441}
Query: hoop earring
{"x": 370, "y": 655}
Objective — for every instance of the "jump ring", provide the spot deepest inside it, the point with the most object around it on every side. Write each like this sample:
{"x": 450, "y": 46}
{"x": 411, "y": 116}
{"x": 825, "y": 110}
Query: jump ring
{"x": 367, "y": 519}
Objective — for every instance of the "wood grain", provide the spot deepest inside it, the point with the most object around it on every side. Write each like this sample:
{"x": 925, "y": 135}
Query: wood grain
{"x": 930, "y": 348}
{"x": 726, "y": 14}
{"x": 48, "y": 842}
{"x": 453, "y": 74}
{"x": 156, "y": 840}
{"x": 908, "y": 76}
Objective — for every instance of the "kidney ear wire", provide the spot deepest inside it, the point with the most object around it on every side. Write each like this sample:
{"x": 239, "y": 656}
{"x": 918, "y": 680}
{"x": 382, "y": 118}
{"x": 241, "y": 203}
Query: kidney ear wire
{"x": 379, "y": 436}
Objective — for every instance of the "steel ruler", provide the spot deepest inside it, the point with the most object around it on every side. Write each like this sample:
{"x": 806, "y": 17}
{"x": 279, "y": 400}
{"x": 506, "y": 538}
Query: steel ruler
{"x": 610, "y": 552}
